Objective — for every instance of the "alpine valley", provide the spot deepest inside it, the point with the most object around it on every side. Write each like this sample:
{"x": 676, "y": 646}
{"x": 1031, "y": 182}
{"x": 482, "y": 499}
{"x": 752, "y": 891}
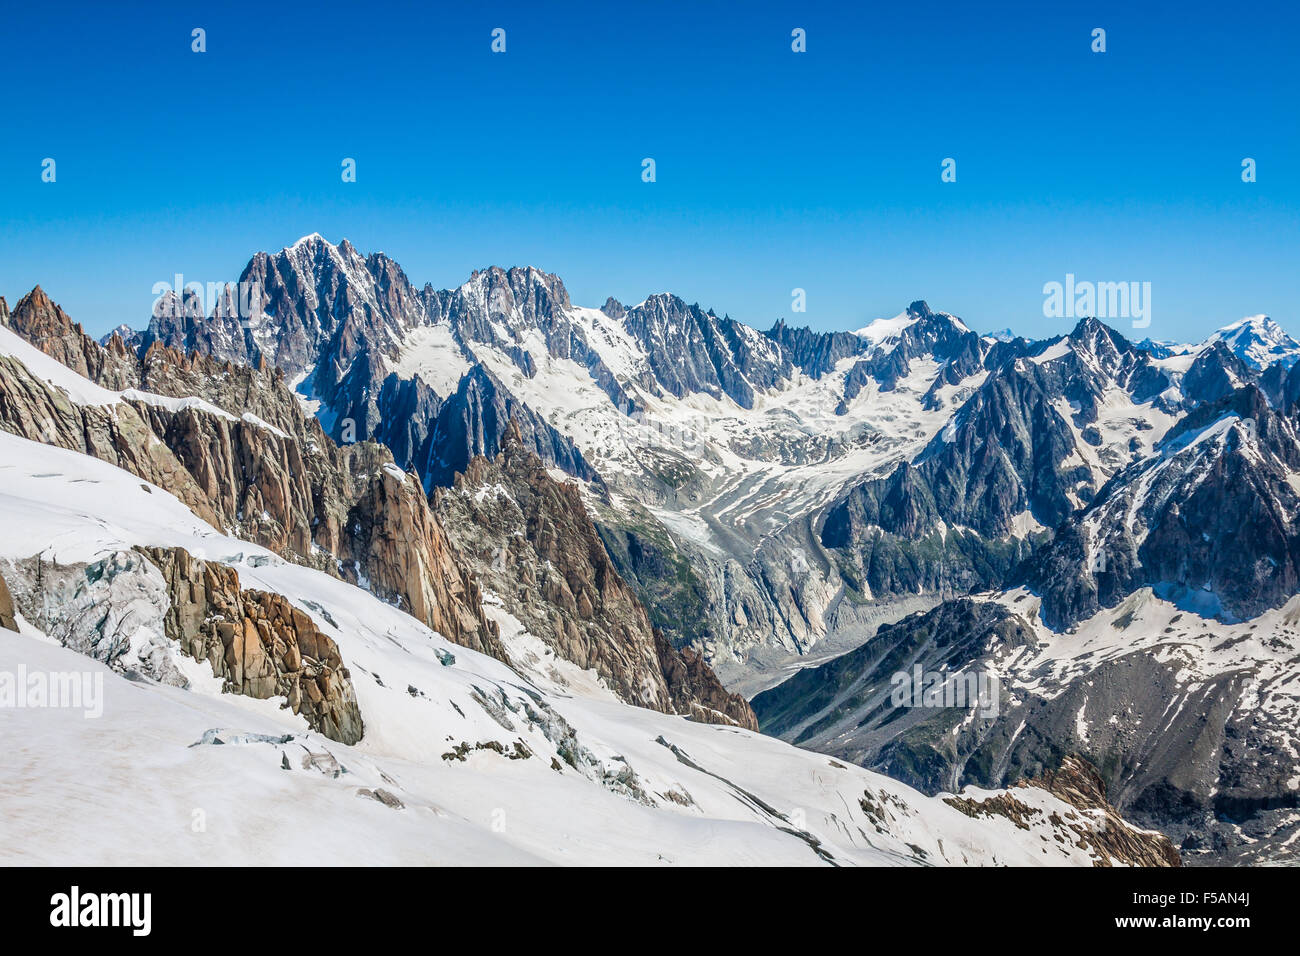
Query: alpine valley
{"x": 480, "y": 575}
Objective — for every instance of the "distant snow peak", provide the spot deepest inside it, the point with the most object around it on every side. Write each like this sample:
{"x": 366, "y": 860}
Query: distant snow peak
{"x": 1161, "y": 349}
{"x": 124, "y": 331}
{"x": 1252, "y": 321}
{"x": 1258, "y": 341}
{"x": 882, "y": 329}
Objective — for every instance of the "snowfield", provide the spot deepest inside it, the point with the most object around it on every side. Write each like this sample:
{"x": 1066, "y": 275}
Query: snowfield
{"x": 463, "y": 761}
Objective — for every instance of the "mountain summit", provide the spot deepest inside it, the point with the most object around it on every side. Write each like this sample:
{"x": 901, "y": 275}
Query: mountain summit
{"x": 1259, "y": 342}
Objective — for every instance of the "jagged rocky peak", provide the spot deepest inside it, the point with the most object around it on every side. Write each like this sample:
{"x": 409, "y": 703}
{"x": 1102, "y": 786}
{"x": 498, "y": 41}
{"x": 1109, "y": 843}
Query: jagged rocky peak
{"x": 473, "y": 422}
{"x": 289, "y": 306}
{"x": 917, "y": 311}
{"x": 1216, "y": 372}
{"x": 314, "y": 253}
{"x": 816, "y": 353}
{"x": 45, "y": 325}
{"x": 662, "y": 319}
{"x": 690, "y": 349}
{"x": 1090, "y": 330}
{"x": 524, "y": 293}
{"x": 314, "y": 290}
{"x": 1100, "y": 342}
{"x": 1088, "y": 364}
{"x": 499, "y": 306}
{"x": 916, "y": 333}
{"x": 36, "y": 316}
{"x": 1008, "y": 466}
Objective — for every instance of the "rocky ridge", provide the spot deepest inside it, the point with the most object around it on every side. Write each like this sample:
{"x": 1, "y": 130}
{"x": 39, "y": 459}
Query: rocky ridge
{"x": 532, "y": 544}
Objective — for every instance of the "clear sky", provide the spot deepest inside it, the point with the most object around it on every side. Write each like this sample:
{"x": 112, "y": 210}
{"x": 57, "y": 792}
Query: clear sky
{"x": 775, "y": 169}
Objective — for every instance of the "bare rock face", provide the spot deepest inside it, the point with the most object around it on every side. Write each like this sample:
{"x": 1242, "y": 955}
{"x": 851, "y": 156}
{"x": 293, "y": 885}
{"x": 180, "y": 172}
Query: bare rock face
{"x": 1078, "y": 783}
{"x": 256, "y": 481}
{"x": 7, "y": 619}
{"x": 696, "y": 691}
{"x": 258, "y": 642}
{"x": 410, "y": 561}
{"x": 531, "y": 541}
{"x": 1097, "y": 828}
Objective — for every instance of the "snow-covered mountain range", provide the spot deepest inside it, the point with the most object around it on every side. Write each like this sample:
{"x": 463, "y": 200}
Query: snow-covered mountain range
{"x": 732, "y": 471}
{"x": 279, "y": 654}
{"x": 657, "y": 505}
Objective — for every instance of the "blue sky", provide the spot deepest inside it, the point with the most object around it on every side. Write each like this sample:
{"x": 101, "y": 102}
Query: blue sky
{"x": 775, "y": 170}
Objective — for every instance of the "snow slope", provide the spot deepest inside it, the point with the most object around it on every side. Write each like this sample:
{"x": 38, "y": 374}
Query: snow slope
{"x": 595, "y": 781}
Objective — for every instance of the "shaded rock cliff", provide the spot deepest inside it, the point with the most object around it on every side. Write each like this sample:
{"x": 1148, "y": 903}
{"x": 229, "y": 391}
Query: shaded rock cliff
{"x": 533, "y": 545}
